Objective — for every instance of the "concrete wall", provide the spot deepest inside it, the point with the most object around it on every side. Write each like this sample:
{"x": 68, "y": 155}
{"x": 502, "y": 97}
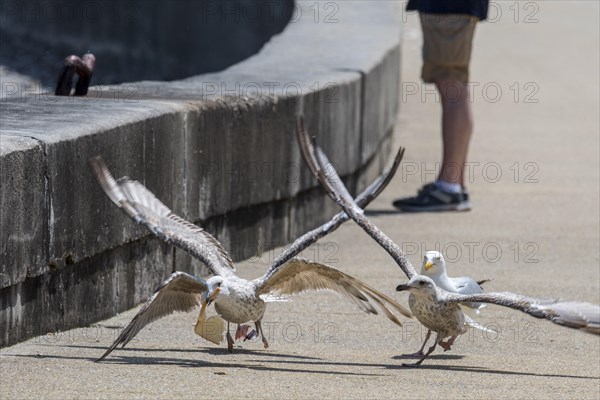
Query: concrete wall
{"x": 136, "y": 39}
{"x": 219, "y": 149}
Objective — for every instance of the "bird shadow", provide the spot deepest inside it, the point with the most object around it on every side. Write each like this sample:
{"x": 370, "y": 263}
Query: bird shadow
{"x": 432, "y": 357}
{"x": 131, "y": 357}
{"x": 197, "y": 363}
{"x": 207, "y": 350}
{"x": 484, "y": 370}
{"x": 264, "y": 356}
{"x": 394, "y": 366}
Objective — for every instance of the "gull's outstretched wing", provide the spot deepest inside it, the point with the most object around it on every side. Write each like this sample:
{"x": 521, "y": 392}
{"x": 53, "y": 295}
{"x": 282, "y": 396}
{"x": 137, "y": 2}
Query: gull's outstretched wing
{"x": 363, "y": 199}
{"x": 180, "y": 292}
{"x": 299, "y": 275}
{"x": 572, "y": 314}
{"x": 329, "y": 179}
{"x": 144, "y": 208}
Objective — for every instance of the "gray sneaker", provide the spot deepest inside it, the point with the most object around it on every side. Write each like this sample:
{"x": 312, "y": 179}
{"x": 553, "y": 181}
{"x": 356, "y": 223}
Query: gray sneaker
{"x": 432, "y": 198}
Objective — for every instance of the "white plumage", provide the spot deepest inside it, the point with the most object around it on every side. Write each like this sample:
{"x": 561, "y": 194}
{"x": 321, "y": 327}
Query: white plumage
{"x": 434, "y": 266}
{"x": 236, "y": 300}
{"x": 438, "y": 309}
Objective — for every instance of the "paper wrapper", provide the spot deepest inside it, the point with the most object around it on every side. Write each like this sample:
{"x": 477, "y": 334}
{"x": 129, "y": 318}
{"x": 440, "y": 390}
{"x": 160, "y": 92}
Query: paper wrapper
{"x": 211, "y": 329}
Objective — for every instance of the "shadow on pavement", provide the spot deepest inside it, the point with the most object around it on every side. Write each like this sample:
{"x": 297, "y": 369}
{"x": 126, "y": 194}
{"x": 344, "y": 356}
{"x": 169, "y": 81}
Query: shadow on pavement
{"x": 195, "y": 363}
{"x": 129, "y": 358}
{"x": 386, "y": 211}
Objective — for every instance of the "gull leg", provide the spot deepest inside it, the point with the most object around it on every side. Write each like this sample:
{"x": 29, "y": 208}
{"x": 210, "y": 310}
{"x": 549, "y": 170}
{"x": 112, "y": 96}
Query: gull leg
{"x": 431, "y": 349}
{"x": 419, "y": 353}
{"x": 242, "y": 331}
{"x": 251, "y": 335}
{"x": 447, "y": 344}
{"x": 262, "y": 335}
{"x": 229, "y": 340}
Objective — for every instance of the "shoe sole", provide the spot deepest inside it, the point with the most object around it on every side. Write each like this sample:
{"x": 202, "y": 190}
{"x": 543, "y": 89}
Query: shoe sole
{"x": 465, "y": 206}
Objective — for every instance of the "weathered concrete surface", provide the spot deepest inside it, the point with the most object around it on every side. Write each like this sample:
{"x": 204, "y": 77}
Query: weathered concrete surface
{"x": 23, "y": 220}
{"x": 342, "y": 353}
{"x": 131, "y": 41}
{"x": 220, "y": 149}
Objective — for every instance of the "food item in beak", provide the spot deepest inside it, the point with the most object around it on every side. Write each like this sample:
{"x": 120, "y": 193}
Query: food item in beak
{"x": 211, "y": 329}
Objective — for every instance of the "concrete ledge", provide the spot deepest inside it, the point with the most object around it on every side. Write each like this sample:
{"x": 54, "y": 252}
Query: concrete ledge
{"x": 219, "y": 149}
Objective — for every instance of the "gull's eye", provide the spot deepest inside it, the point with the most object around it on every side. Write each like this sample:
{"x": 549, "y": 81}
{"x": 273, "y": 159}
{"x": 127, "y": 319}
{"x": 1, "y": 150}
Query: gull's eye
{"x": 219, "y": 284}
{"x": 421, "y": 283}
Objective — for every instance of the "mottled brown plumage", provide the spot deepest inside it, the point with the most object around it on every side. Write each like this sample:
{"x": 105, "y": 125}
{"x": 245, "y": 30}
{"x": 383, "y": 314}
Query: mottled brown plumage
{"x": 237, "y": 300}
{"x": 440, "y": 312}
{"x": 435, "y": 308}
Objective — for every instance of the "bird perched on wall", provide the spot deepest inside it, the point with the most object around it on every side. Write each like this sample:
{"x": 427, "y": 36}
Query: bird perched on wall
{"x": 236, "y": 300}
{"x": 434, "y": 307}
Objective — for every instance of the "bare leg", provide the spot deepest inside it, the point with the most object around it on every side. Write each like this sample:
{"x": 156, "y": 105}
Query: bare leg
{"x": 419, "y": 353}
{"x": 262, "y": 335}
{"x": 229, "y": 339}
{"x": 431, "y": 349}
{"x": 457, "y": 127}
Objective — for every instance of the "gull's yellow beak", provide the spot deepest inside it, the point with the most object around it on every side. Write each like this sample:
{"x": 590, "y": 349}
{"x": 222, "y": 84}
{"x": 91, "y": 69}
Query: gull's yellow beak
{"x": 428, "y": 265}
{"x": 210, "y": 329}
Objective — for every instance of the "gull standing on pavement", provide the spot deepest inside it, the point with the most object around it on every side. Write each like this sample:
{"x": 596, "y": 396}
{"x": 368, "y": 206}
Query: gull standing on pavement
{"x": 434, "y": 307}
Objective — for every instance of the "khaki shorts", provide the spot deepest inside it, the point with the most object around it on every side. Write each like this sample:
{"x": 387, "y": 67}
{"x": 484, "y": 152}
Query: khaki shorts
{"x": 447, "y": 42}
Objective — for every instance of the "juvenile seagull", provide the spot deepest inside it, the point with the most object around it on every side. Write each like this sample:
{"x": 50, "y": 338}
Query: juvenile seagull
{"x": 434, "y": 267}
{"x": 236, "y": 300}
{"x": 440, "y": 311}
{"x": 436, "y": 308}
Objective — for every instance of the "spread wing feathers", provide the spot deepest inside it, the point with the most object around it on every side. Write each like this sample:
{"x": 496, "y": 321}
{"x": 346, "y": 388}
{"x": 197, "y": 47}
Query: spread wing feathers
{"x": 329, "y": 179}
{"x": 180, "y": 292}
{"x": 474, "y": 324}
{"x": 363, "y": 199}
{"x": 583, "y": 316}
{"x": 144, "y": 208}
{"x": 299, "y": 275}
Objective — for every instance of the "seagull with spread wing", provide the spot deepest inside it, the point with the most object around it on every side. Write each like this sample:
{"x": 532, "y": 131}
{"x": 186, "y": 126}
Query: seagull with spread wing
{"x": 236, "y": 300}
{"x": 434, "y": 307}
{"x": 440, "y": 311}
{"x": 434, "y": 267}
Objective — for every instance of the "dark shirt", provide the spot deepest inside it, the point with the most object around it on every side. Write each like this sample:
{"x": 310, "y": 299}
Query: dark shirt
{"x": 477, "y": 8}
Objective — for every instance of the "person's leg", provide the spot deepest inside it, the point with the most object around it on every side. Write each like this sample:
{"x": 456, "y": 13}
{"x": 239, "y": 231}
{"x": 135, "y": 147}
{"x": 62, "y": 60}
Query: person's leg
{"x": 447, "y": 41}
{"x": 457, "y": 127}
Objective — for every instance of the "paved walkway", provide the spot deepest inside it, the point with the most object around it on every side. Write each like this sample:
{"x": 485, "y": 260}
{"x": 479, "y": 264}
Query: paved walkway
{"x": 534, "y": 230}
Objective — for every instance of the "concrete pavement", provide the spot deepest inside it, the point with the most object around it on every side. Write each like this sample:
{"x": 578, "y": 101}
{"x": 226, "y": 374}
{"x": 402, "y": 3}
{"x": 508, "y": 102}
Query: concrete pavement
{"x": 534, "y": 230}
